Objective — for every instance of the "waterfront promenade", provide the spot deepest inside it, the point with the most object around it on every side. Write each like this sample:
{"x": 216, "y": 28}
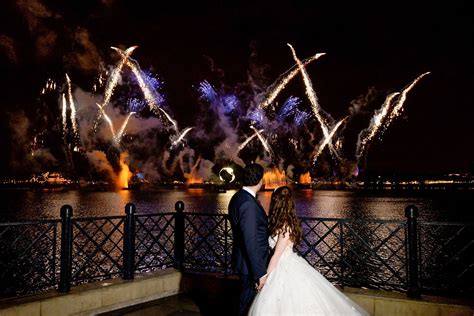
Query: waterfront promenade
{"x": 170, "y": 292}
{"x": 124, "y": 264}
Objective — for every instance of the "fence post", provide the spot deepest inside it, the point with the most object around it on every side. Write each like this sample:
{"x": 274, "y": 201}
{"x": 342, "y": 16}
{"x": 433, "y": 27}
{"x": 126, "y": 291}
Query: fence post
{"x": 129, "y": 242}
{"x": 226, "y": 245}
{"x": 411, "y": 213}
{"x": 179, "y": 236}
{"x": 66, "y": 249}
{"x": 341, "y": 244}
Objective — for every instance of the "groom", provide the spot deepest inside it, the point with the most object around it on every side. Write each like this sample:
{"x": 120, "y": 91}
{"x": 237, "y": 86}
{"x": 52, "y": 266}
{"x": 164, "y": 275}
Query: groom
{"x": 250, "y": 236}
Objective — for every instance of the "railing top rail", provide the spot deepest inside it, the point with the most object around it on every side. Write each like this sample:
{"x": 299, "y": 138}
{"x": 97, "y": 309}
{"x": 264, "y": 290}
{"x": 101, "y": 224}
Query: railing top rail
{"x": 446, "y": 223}
{"x": 42, "y": 221}
{"x": 89, "y": 218}
{"x": 206, "y": 214}
{"x": 154, "y": 214}
{"x": 334, "y": 219}
{"x": 390, "y": 221}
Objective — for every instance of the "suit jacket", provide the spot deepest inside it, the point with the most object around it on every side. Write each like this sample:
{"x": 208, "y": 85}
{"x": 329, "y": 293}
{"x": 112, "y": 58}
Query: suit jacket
{"x": 249, "y": 225}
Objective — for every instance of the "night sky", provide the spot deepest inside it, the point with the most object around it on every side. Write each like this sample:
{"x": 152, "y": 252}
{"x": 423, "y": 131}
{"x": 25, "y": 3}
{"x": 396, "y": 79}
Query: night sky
{"x": 380, "y": 46}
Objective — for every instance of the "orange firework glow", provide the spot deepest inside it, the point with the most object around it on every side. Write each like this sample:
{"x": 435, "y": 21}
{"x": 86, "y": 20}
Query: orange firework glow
{"x": 305, "y": 178}
{"x": 193, "y": 179}
{"x": 125, "y": 174}
{"x": 274, "y": 178}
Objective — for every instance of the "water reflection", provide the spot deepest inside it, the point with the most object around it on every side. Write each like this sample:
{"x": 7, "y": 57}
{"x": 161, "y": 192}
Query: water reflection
{"x": 223, "y": 200}
{"x": 125, "y": 196}
{"x": 35, "y": 204}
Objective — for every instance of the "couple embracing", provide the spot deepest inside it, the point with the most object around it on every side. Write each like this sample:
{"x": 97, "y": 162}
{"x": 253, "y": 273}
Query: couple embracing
{"x": 282, "y": 283}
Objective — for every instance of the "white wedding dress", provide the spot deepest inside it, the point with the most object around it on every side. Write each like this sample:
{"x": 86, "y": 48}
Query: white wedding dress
{"x": 295, "y": 288}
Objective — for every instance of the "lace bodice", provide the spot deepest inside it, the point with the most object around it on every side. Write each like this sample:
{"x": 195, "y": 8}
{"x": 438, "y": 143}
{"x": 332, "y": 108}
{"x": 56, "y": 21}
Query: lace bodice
{"x": 272, "y": 240}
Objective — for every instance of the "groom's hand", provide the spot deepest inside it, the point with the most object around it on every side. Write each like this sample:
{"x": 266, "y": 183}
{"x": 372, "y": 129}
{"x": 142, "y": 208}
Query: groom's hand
{"x": 261, "y": 282}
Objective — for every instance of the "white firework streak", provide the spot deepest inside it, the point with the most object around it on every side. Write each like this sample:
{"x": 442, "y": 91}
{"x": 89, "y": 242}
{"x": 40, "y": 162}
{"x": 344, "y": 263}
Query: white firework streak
{"x": 397, "y": 108}
{"x": 107, "y": 118}
{"x": 112, "y": 81}
{"x": 310, "y": 92}
{"x": 314, "y": 101}
{"x": 375, "y": 125}
{"x": 72, "y": 106}
{"x": 283, "y": 80}
{"x": 64, "y": 116}
{"x": 180, "y": 137}
{"x": 327, "y": 139}
{"x": 262, "y": 140}
{"x": 50, "y": 85}
{"x": 119, "y": 135}
{"x": 242, "y": 146}
{"x": 147, "y": 92}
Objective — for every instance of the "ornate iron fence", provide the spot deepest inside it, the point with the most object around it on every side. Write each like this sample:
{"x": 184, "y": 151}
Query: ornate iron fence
{"x": 446, "y": 258}
{"x": 97, "y": 251}
{"x": 377, "y": 254}
{"x": 154, "y": 241}
{"x": 28, "y": 257}
{"x": 208, "y": 242}
{"x": 360, "y": 253}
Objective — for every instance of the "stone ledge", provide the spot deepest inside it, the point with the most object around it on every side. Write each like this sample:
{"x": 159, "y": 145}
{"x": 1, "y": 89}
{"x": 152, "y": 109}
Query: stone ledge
{"x": 397, "y": 304}
{"x": 211, "y": 292}
{"x": 88, "y": 299}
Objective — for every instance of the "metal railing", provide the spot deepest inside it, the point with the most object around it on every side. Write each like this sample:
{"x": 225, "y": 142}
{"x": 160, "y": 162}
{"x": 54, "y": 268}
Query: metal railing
{"x": 410, "y": 256}
{"x": 28, "y": 256}
{"x": 360, "y": 253}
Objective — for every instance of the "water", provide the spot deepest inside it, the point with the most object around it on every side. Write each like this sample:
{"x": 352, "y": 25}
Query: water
{"x": 19, "y": 205}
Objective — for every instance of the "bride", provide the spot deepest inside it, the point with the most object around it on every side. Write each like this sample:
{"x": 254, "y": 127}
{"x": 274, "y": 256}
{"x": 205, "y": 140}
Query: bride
{"x": 293, "y": 287}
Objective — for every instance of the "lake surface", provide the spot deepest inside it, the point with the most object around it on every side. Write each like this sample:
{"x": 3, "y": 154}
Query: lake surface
{"x": 434, "y": 206}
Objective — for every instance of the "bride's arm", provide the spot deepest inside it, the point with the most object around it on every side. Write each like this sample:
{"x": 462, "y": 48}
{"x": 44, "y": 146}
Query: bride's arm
{"x": 281, "y": 244}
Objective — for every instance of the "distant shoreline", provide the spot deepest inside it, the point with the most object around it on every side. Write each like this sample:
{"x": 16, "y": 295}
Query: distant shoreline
{"x": 223, "y": 188}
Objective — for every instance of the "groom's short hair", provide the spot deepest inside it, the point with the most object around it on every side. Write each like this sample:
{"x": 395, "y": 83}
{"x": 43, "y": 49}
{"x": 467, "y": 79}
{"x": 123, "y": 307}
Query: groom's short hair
{"x": 252, "y": 175}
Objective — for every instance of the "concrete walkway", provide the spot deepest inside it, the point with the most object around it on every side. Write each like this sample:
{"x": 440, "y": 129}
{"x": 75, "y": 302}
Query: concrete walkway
{"x": 202, "y": 294}
{"x": 176, "y": 305}
{"x": 170, "y": 292}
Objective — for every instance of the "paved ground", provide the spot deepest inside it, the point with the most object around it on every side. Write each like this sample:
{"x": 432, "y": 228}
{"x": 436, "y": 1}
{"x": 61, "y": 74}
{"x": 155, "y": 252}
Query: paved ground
{"x": 176, "y": 305}
{"x": 205, "y": 295}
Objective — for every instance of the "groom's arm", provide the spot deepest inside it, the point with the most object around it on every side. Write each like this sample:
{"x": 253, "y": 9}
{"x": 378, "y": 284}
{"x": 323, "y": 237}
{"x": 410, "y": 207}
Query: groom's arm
{"x": 249, "y": 226}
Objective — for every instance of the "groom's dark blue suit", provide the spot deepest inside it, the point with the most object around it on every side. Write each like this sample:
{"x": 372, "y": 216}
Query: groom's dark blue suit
{"x": 250, "y": 248}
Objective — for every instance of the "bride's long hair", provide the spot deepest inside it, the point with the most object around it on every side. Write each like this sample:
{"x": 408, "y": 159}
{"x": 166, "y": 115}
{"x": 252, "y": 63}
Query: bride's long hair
{"x": 282, "y": 215}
